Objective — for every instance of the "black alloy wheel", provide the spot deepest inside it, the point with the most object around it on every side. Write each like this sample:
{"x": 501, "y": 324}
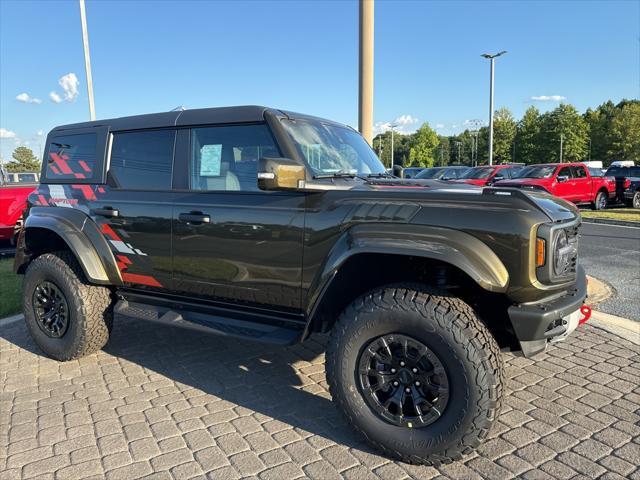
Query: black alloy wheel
{"x": 51, "y": 309}
{"x": 403, "y": 381}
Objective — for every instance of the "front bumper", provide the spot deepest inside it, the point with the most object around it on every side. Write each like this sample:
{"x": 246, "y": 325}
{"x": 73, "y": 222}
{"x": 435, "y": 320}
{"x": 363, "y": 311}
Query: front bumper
{"x": 536, "y": 324}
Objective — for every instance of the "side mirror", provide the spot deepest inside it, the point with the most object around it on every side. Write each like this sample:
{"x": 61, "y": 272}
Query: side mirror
{"x": 497, "y": 178}
{"x": 397, "y": 171}
{"x": 280, "y": 173}
{"x": 562, "y": 178}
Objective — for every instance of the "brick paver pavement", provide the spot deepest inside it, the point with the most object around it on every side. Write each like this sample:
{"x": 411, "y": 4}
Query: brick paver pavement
{"x": 171, "y": 403}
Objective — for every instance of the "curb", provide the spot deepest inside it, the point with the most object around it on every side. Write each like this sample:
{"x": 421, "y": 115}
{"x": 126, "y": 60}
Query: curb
{"x": 598, "y": 291}
{"x": 623, "y": 327}
{"x": 12, "y": 319}
{"x": 606, "y": 221}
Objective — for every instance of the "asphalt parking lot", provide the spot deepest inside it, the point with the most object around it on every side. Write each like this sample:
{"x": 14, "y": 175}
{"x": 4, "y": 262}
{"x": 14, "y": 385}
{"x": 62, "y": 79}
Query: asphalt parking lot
{"x": 170, "y": 403}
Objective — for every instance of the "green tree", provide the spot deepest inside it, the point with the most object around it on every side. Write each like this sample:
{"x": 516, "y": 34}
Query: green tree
{"x": 566, "y": 124}
{"x": 599, "y": 121}
{"x": 625, "y": 133}
{"x": 24, "y": 161}
{"x": 423, "y": 145}
{"x": 504, "y": 133}
{"x": 528, "y": 137}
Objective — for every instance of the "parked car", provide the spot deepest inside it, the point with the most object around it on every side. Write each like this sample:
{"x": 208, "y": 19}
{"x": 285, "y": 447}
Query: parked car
{"x": 489, "y": 174}
{"x": 13, "y": 200}
{"x": 442, "y": 173}
{"x": 269, "y": 225}
{"x": 631, "y": 193}
{"x": 621, "y": 174}
{"x": 411, "y": 172}
{"x": 570, "y": 181}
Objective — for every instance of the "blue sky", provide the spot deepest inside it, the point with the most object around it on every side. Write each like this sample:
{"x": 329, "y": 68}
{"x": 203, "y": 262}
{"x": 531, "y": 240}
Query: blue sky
{"x": 153, "y": 56}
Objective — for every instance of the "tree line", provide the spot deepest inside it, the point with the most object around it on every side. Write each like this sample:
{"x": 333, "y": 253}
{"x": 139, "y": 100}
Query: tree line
{"x": 607, "y": 133}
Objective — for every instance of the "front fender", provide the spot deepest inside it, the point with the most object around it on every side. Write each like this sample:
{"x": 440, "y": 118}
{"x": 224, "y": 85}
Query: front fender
{"x": 454, "y": 247}
{"x": 81, "y": 235}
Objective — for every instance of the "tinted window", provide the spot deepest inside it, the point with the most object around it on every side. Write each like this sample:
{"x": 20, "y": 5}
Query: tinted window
{"x": 142, "y": 160}
{"x": 71, "y": 157}
{"x": 226, "y": 158}
{"x": 565, "y": 172}
{"x": 432, "y": 172}
{"x": 623, "y": 172}
{"x": 579, "y": 172}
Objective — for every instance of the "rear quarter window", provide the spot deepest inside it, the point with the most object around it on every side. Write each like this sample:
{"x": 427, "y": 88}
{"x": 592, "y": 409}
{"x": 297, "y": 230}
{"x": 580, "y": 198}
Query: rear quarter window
{"x": 74, "y": 158}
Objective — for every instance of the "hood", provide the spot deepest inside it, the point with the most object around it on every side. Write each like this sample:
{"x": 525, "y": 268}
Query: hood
{"x": 404, "y": 184}
{"x": 519, "y": 182}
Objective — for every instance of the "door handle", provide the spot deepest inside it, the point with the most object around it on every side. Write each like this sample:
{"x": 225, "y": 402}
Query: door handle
{"x": 106, "y": 212}
{"x": 195, "y": 218}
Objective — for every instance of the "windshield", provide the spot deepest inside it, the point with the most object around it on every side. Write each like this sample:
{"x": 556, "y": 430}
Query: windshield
{"x": 330, "y": 148}
{"x": 539, "y": 171}
{"x": 431, "y": 173}
{"x": 478, "y": 173}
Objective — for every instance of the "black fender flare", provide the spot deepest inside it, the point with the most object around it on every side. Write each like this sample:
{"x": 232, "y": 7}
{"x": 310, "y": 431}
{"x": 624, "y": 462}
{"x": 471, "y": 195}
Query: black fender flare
{"x": 82, "y": 236}
{"x": 454, "y": 247}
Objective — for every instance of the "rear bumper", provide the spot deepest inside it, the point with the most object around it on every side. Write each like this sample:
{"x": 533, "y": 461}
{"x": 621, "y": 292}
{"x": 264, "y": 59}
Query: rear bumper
{"x": 536, "y": 324}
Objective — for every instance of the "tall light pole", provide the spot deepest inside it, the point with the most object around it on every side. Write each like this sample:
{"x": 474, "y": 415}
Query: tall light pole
{"x": 365, "y": 98}
{"x": 87, "y": 60}
{"x": 561, "y": 141}
{"x": 491, "y": 58}
{"x": 392, "y": 126}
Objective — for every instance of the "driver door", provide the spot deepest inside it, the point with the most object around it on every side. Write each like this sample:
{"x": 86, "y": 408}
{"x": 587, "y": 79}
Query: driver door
{"x": 565, "y": 189}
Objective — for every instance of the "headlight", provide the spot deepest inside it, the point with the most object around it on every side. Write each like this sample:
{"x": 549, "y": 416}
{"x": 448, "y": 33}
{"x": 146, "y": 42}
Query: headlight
{"x": 562, "y": 254}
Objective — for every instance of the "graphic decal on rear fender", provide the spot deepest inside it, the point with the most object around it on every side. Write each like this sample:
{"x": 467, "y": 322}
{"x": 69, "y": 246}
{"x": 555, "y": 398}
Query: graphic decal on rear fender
{"x": 129, "y": 259}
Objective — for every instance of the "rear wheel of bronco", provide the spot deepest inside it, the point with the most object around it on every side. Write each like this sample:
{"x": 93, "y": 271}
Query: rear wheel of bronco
{"x": 416, "y": 373}
{"x": 67, "y": 317}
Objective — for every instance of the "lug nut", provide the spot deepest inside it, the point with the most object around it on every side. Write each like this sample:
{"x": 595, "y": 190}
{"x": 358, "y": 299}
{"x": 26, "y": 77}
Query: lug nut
{"x": 414, "y": 370}
{"x": 402, "y": 364}
{"x": 395, "y": 384}
{"x": 417, "y": 384}
{"x": 408, "y": 390}
{"x": 393, "y": 370}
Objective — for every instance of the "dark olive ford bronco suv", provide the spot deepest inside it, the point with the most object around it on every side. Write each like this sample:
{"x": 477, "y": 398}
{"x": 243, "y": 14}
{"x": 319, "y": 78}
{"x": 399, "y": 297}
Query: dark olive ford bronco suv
{"x": 270, "y": 225}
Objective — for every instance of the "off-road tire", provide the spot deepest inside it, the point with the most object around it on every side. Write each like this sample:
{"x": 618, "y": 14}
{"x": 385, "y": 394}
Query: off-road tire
{"x": 601, "y": 201}
{"x": 449, "y": 328}
{"x": 635, "y": 201}
{"x": 90, "y": 307}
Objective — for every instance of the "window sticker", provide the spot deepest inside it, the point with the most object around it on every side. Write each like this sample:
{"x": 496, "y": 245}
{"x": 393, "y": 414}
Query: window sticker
{"x": 210, "y": 160}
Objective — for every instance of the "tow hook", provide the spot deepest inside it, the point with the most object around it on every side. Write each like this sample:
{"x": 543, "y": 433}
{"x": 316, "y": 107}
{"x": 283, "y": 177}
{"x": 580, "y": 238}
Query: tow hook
{"x": 585, "y": 310}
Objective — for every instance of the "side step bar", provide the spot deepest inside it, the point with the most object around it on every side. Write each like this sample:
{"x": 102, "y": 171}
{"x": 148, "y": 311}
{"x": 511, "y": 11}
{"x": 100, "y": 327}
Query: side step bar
{"x": 212, "y": 324}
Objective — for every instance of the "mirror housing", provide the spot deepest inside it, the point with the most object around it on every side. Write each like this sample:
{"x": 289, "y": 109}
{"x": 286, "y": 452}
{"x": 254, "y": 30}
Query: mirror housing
{"x": 280, "y": 173}
{"x": 397, "y": 171}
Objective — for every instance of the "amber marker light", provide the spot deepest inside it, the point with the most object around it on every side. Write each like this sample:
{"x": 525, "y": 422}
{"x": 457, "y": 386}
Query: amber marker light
{"x": 540, "y": 252}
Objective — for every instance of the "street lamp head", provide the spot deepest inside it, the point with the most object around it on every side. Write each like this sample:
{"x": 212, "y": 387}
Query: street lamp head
{"x": 489, "y": 56}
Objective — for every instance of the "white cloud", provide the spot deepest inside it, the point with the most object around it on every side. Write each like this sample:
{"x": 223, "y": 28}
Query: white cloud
{"x": 405, "y": 120}
{"x": 69, "y": 84}
{"x": 548, "y": 98}
{"x": 55, "y": 98}
{"x": 4, "y": 133}
{"x": 26, "y": 98}
{"x": 39, "y": 133}
{"x": 439, "y": 126}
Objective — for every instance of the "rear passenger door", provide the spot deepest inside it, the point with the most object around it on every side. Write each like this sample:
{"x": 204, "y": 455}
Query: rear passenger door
{"x": 231, "y": 241}
{"x": 134, "y": 209}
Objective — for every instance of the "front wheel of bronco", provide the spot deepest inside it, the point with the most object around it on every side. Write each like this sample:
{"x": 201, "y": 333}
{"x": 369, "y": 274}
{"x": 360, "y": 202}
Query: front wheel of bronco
{"x": 67, "y": 317}
{"x": 416, "y": 373}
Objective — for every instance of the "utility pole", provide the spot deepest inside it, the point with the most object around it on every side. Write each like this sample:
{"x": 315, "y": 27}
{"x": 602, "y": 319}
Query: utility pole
{"x": 491, "y": 58}
{"x": 365, "y": 100}
{"x": 87, "y": 60}
{"x": 393, "y": 125}
{"x": 561, "y": 141}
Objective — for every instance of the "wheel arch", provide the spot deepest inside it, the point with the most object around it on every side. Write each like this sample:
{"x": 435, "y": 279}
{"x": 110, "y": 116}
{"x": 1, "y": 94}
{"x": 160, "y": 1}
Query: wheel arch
{"x": 57, "y": 228}
{"x": 445, "y": 258}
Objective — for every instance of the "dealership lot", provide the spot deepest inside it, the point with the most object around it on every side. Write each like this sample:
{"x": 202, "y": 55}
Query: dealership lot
{"x": 183, "y": 405}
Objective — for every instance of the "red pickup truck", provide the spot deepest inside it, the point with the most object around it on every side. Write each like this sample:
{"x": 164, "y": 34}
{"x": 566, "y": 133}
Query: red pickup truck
{"x": 13, "y": 200}
{"x": 570, "y": 181}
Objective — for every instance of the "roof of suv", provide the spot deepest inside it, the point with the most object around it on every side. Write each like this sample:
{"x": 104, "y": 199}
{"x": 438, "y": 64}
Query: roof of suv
{"x": 237, "y": 114}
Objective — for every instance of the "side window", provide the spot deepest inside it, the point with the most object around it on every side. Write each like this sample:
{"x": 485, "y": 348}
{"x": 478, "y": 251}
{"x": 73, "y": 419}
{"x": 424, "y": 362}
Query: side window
{"x": 142, "y": 160}
{"x": 565, "y": 172}
{"x": 580, "y": 172}
{"x": 226, "y": 157}
{"x": 72, "y": 157}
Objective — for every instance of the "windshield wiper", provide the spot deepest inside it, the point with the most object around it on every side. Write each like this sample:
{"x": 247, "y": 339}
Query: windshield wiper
{"x": 380, "y": 175}
{"x": 335, "y": 175}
